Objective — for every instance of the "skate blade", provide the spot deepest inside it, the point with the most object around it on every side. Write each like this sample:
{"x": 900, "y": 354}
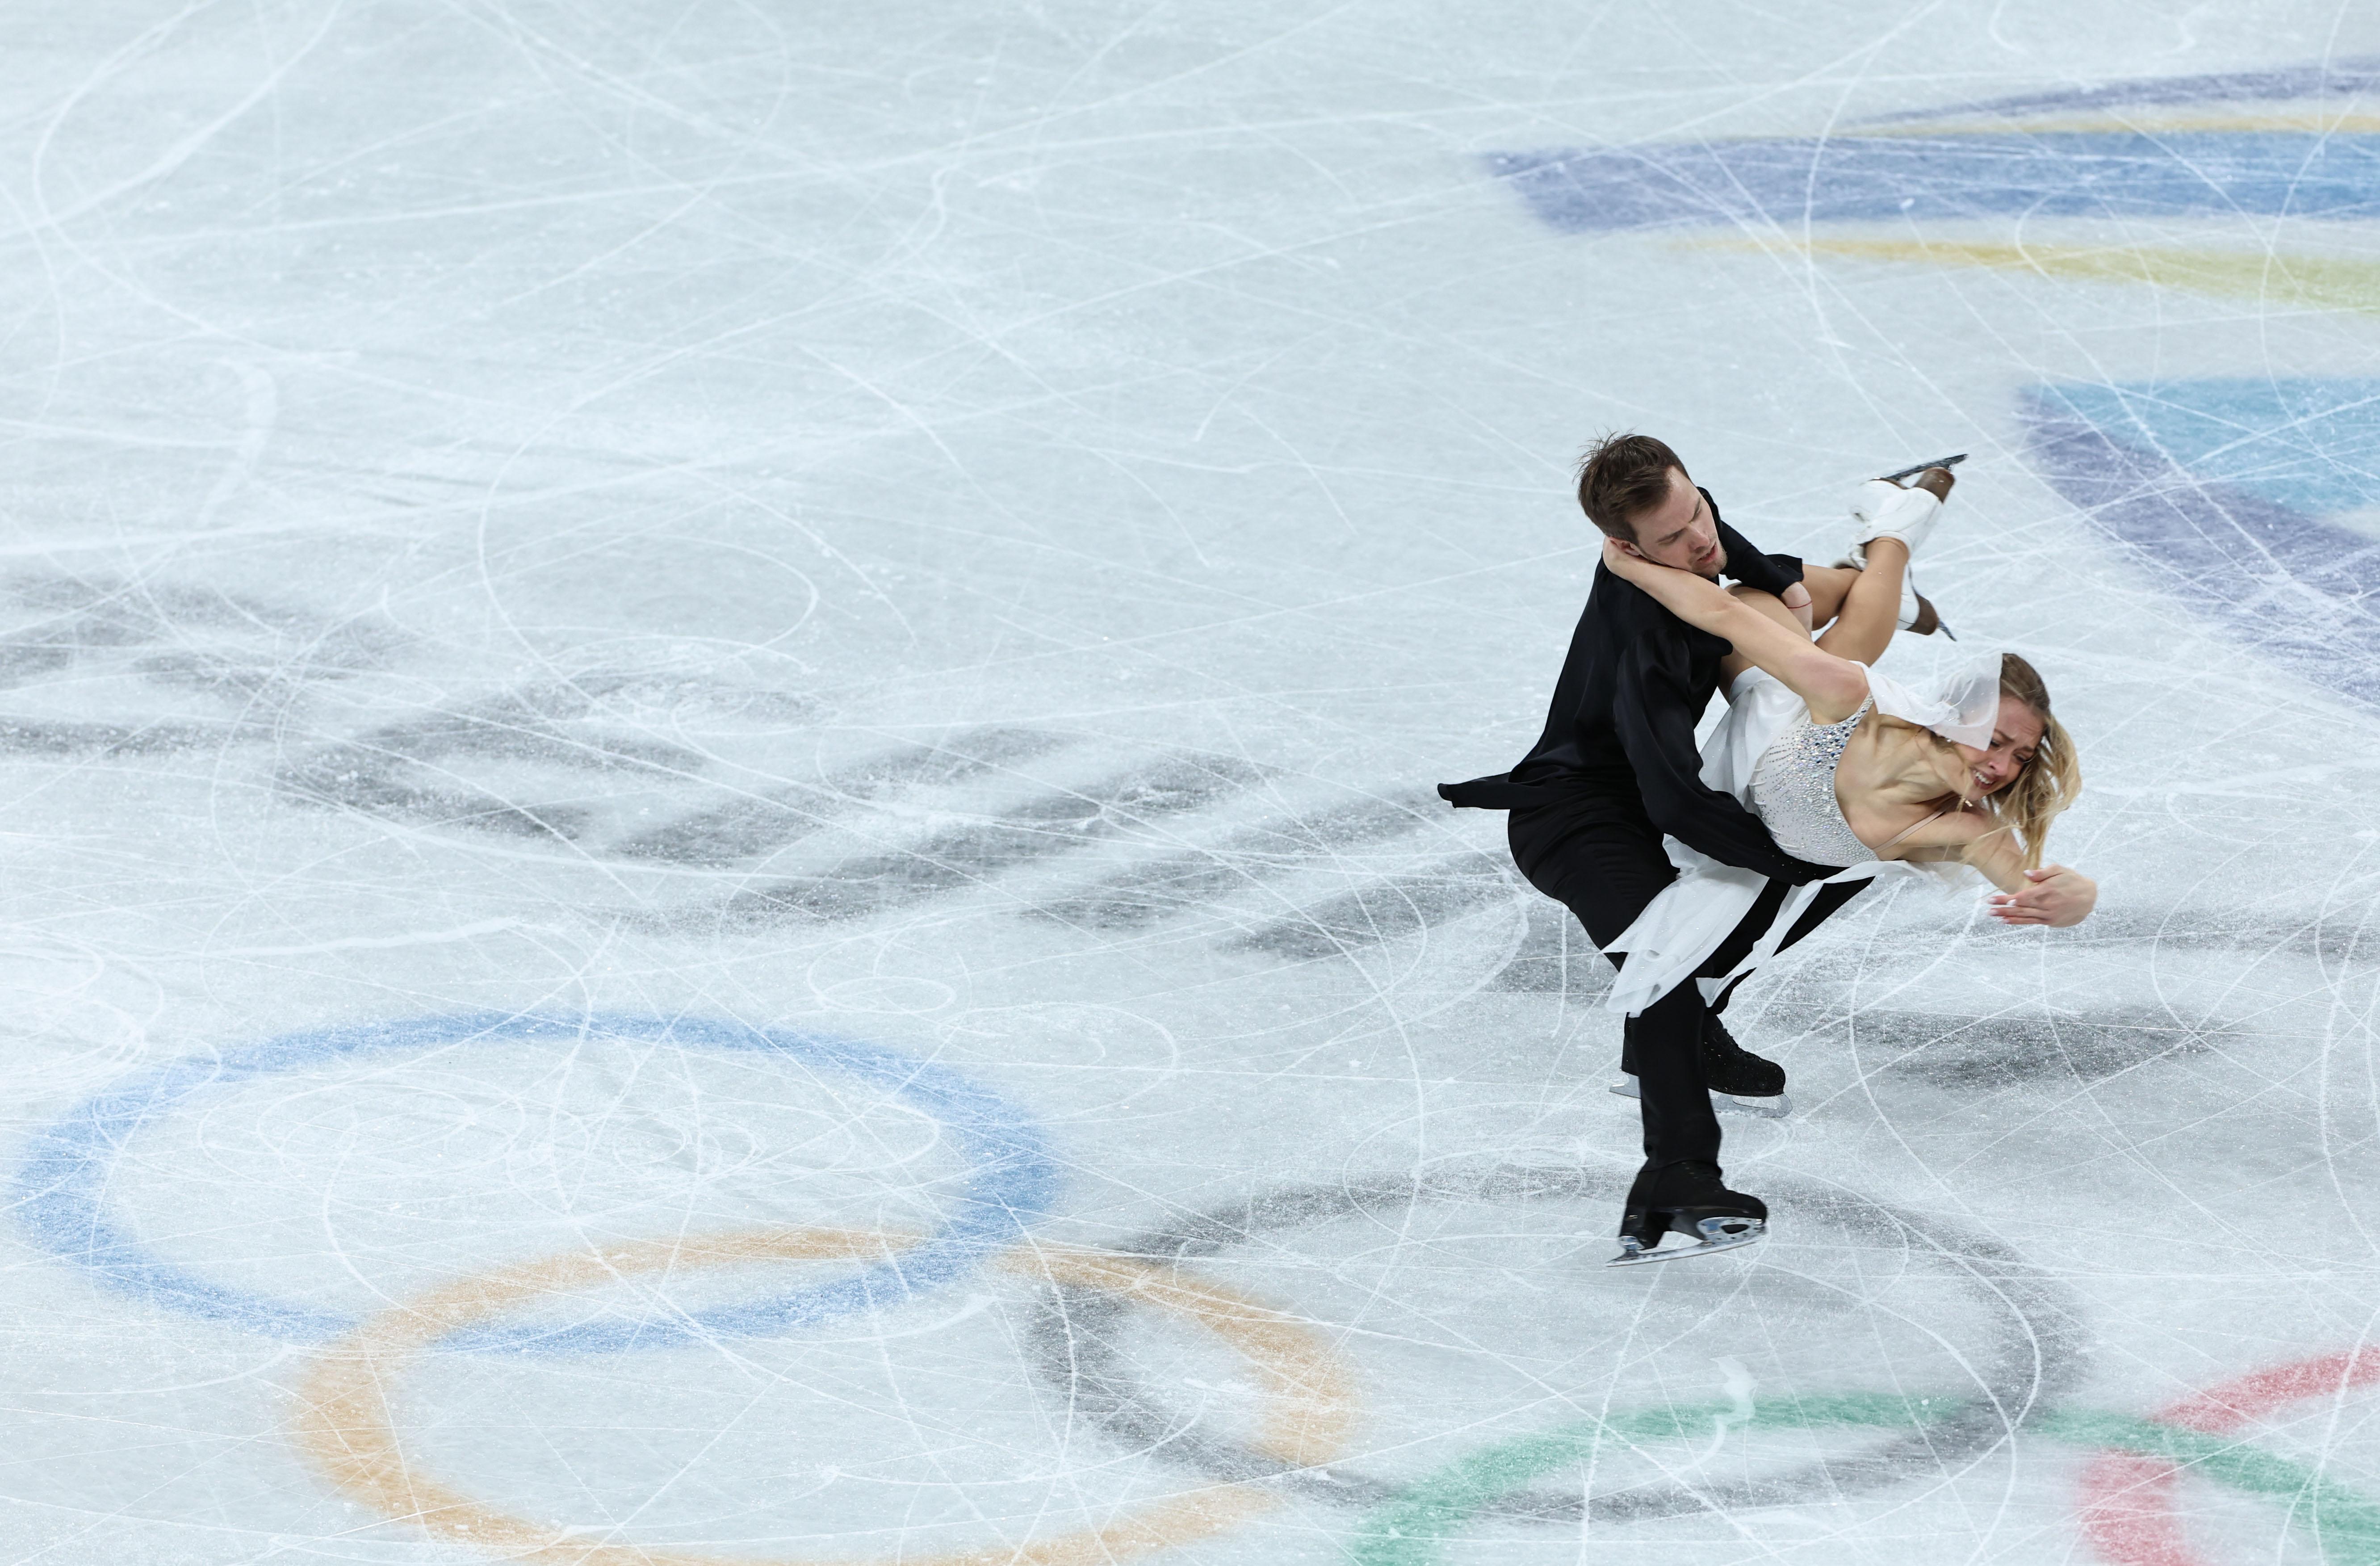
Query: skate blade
{"x": 1776, "y": 1108}
{"x": 1715, "y": 1238}
{"x": 1912, "y": 472}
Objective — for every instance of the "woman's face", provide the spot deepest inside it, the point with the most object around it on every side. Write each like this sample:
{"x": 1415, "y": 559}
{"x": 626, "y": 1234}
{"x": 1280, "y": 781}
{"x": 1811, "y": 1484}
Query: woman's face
{"x": 2015, "y": 736}
{"x": 1967, "y": 777}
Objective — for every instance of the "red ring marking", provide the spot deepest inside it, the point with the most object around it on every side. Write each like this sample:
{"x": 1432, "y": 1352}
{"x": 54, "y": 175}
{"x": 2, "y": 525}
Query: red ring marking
{"x": 2128, "y": 1501}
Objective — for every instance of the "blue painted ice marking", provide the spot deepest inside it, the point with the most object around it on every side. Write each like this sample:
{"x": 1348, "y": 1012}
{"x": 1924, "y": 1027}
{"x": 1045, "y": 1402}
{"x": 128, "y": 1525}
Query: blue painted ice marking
{"x": 2325, "y": 78}
{"x": 2312, "y": 446}
{"x": 1789, "y": 182}
{"x": 1011, "y": 1177}
{"x": 2217, "y": 484}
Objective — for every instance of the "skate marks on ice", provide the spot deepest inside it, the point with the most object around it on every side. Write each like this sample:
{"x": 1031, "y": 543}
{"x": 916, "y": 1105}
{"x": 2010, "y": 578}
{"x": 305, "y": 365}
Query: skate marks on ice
{"x": 1889, "y": 167}
{"x": 972, "y": 838}
{"x": 1554, "y": 956}
{"x": 1150, "y": 893}
{"x": 2209, "y": 151}
{"x": 678, "y": 772}
{"x": 347, "y": 1427}
{"x": 2129, "y": 1502}
{"x": 2345, "y": 77}
{"x": 2240, "y": 496}
{"x": 76, "y": 1192}
{"x": 749, "y": 828}
{"x": 2021, "y": 1346}
{"x": 1764, "y": 185}
{"x": 186, "y": 667}
{"x": 962, "y": 857}
{"x": 1972, "y": 1010}
{"x": 566, "y": 761}
{"x": 687, "y": 772}
{"x": 1388, "y": 910}
{"x": 2020, "y": 1048}
{"x": 1125, "y": 854}
{"x": 2131, "y": 1490}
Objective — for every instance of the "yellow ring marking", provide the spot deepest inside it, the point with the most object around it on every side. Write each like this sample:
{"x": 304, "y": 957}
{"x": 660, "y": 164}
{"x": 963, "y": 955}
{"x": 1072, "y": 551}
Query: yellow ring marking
{"x": 345, "y": 1428}
{"x": 2299, "y": 282}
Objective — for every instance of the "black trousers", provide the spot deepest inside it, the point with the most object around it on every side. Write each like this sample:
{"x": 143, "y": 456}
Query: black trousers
{"x": 1605, "y": 864}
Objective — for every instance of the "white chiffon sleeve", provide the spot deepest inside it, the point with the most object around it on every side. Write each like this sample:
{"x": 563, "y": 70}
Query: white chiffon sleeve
{"x": 1964, "y": 706}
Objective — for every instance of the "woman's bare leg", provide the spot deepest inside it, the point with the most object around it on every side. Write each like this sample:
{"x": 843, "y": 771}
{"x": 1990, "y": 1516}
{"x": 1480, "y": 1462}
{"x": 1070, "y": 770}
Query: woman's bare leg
{"x": 1870, "y": 610}
{"x": 1829, "y": 585}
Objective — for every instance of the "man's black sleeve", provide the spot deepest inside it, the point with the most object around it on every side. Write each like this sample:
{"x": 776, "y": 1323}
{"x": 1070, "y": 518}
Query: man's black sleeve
{"x": 1770, "y": 573}
{"x": 1656, "y": 730}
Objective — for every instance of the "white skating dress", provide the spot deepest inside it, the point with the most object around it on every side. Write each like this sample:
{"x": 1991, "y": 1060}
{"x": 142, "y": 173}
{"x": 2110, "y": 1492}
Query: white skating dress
{"x": 1770, "y": 755}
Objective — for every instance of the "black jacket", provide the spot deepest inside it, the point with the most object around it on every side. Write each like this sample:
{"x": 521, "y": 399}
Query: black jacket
{"x": 1620, "y": 735}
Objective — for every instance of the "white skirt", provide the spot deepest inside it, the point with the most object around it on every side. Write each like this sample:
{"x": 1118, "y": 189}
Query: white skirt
{"x": 1678, "y": 929}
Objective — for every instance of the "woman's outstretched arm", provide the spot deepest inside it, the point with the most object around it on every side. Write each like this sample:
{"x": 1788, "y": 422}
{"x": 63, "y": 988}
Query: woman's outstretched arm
{"x": 1833, "y": 687}
{"x": 2054, "y": 894}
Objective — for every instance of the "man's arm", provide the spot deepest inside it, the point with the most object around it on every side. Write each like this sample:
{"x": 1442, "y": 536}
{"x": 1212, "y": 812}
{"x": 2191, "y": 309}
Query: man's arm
{"x": 1770, "y": 573}
{"x": 1657, "y": 731}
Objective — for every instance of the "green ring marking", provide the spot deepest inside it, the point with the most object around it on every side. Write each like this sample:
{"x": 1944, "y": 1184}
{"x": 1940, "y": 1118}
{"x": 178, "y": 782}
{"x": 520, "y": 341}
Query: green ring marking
{"x": 1415, "y": 1529}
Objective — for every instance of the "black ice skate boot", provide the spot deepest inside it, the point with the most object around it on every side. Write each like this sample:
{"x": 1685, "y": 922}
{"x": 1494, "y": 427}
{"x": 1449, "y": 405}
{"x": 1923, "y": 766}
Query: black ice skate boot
{"x": 1691, "y": 1199}
{"x": 1740, "y": 1079}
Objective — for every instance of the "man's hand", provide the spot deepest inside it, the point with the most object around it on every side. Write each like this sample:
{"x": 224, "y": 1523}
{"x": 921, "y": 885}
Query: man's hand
{"x": 1797, "y": 599}
{"x": 2058, "y": 897}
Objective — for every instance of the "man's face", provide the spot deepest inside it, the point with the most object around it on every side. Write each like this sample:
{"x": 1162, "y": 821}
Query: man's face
{"x": 1681, "y": 530}
{"x": 2015, "y": 735}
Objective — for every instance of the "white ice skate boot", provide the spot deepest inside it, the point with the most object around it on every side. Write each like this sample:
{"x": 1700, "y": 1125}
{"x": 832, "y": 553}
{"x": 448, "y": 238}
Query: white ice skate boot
{"x": 1885, "y": 509}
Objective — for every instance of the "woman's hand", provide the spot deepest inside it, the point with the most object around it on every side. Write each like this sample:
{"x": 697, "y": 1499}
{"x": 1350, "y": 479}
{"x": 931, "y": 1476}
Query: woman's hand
{"x": 1626, "y": 562}
{"x": 2058, "y": 897}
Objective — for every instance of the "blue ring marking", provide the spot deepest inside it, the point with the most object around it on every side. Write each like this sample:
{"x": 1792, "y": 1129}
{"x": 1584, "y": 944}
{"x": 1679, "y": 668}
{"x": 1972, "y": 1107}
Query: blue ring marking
{"x": 2310, "y": 443}
{"x": 1012, "y": 1182}
{"x": 2141, "y": 468}
{"x": 1787, "y": 182}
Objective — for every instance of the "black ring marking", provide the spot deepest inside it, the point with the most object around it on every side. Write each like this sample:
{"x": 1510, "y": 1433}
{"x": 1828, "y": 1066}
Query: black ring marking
{"x": 2035, "y": 1358}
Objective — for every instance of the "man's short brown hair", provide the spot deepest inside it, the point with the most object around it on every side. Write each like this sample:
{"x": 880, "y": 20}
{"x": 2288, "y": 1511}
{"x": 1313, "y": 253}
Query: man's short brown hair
{"x": 1622, "y": 477}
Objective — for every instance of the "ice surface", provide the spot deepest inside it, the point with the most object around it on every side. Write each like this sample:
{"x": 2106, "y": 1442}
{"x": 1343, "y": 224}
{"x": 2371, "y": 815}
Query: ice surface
{"x": 718, "y": 724}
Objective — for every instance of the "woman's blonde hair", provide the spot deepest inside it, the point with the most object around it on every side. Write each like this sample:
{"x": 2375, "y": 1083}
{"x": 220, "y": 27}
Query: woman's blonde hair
{"x": 2049, "y": 782}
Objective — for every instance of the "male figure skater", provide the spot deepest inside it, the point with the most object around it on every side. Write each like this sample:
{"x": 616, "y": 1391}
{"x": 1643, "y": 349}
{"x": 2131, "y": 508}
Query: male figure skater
{"x": 1615, "y": 770}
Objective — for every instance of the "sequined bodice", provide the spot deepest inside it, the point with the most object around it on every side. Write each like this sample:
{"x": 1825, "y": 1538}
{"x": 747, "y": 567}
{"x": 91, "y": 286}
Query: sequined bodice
{"x": 1794, "y": 791}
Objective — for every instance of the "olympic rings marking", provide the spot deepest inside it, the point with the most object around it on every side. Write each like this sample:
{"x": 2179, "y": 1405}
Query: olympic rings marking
{"x": 1011, "y": 1181}
{"x": 1413, "y": 1530}
{"x": 2034, "y": 1353}
{"x": 2128, "y": 1495}
{"x": 344, "y": 1427}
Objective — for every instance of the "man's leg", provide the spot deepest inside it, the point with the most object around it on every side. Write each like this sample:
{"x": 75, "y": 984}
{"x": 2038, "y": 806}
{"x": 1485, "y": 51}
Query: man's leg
{"x": 1674, "y": 1101}
{"x": 1605, "y": 868}
{"x": 1606, "y": 871}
